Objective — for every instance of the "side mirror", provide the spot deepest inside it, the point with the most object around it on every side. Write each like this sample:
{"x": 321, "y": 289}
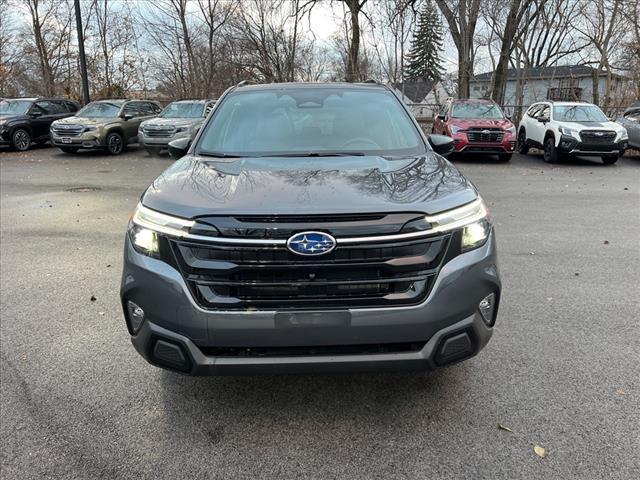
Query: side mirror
{"x": 543, "y": 119}
{"x": 127, "y": 116}
{"x": 442, "y": 117}
{"x": 35, "y": 114}
{"x": 508, "y": 117}
{"x": 179, "y": 148}
{"x": 441, "y": 144}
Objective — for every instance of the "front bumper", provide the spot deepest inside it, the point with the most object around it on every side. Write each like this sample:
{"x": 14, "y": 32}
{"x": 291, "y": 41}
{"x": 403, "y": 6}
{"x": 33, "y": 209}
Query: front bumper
{"x": 571, "y": 146}
{"x": 179, "y": 335}
{"x": 463, "y": 145}
{"x": 87, "y": 140}
{"x": 160, "y": 142}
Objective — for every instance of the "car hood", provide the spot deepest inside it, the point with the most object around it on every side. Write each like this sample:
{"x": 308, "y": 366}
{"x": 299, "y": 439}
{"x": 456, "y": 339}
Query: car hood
{"x": 85, "y": 120}
{"x": 195, "y": 186}
{"x": 592, "y": 126}
{"x": 12, "y": 118}
{"x": 173, "y": 122}
{"x": 465, "y": 123}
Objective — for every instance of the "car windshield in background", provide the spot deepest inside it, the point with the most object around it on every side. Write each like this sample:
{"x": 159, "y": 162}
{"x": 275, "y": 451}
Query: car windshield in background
{"x": 311, "y": 121}
{"x": 14, "y": 107}
{"x": 477, "y": 110}
{"x": 99, "y": 110}
{"x": 183, "y": 110}
{"x": 578, "y": 113}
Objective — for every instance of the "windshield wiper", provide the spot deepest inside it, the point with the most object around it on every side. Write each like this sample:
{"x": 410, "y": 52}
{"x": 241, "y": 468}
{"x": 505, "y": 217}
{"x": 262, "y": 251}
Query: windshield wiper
{"x": 316, "y": 154}
{"x": 206, "y": 153}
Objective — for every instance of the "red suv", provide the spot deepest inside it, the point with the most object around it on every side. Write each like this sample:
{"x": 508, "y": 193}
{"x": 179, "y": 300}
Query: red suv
{"x": 477, "y": 126}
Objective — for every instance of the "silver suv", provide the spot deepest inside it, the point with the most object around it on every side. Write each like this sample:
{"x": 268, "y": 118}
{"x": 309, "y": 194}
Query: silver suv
{"x": 181, "y": 119}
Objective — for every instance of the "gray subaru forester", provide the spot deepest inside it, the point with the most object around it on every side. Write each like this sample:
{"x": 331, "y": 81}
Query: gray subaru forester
{"x": 307, "y": 228}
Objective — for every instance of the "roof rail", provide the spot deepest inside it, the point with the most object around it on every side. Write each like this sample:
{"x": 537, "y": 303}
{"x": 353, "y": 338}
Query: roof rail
{"x": 244, "y": 82}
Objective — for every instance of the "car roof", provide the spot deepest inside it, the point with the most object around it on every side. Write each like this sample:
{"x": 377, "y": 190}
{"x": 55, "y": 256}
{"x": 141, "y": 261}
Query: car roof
{"x": 308, "y": 85}
{"x": 36, "y": 99}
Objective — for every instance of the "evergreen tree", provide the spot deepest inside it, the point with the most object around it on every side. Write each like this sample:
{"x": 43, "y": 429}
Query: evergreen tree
{"x": 423, "y": 61}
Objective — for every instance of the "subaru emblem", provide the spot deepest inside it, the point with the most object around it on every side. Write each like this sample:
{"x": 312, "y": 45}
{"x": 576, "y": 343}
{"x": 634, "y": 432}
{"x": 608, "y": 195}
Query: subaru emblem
{"x": 311, "y": 243}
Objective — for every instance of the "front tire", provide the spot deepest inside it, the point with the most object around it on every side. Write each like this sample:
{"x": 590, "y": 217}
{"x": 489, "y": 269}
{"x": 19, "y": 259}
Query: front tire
{"x": 550, "y": 152}
{"x": 522, "y": 147}
{"x": 21, "y": 139}
{"x": 115, "y": 143}
{"x": 610, "y": 159}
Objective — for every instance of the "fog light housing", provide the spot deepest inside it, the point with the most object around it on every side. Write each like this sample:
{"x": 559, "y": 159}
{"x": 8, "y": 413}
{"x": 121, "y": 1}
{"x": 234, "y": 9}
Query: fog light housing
{"x": 136, "y": 316}
{"x": 487, "y": 308}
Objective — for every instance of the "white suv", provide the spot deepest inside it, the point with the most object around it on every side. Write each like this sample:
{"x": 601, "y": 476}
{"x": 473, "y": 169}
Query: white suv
{"x": 571, "y": 128}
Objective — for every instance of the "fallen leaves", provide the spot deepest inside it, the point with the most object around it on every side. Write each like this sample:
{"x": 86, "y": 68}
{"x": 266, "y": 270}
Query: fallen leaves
{"x": 540, "y": 451}
{"x": 505, "y": 428}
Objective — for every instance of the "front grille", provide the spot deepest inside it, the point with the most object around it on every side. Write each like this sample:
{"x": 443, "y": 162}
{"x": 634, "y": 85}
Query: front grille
{"x": 158, "y": 132}
{"x": 309, "y": 351}
{"x": 68, "y": 130}
{"x": 272, "y": 277}
{"x": 485, "y": 135}
{"x": 597, "y": 136}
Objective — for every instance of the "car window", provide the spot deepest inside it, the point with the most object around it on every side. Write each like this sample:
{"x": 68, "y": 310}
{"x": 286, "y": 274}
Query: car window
{"x": 311, "y": 120}
{"x": 477, "y": 110}
{"x": 71, "y": 107}
{"x": 100, "y": 110}
{"x": 57, "y": 107}
{"x": 15, "y": 107}
{"x": 44, "y": 107}
{"x": 183, "y": 110}
{"x": 149, "y": 108}
{"x": 533, "y": 110}
{"x": 578, "y": 113}
{"x": 133, "y": 108}
{"x": 544, "y": 111}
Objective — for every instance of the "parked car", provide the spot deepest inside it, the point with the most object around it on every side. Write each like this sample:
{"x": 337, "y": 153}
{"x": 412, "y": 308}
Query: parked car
{"x": 571, "y": 129}
{"x": 630, "y": 120}
{"x": 310, "y": 227}
{"x": 181, "y": 119}
{"x": 24, "y": 121}
{"x": 477, "y": 126}
{"x": 104, "y": 125}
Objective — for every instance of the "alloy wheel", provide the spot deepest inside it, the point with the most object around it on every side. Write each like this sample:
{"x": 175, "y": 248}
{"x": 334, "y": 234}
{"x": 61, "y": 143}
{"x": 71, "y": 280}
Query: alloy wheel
{"x": 114, "y": 143}
{"x": 21, "y": 140}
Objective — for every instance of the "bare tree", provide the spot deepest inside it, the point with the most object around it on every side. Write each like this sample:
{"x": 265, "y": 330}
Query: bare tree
{"x": 462, "y": 17}
{"x": 604, "y": 25}
{"x": 48, "y": 39}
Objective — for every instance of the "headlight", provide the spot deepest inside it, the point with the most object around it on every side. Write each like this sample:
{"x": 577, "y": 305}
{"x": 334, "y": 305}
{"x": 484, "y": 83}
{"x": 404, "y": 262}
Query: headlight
{"x": 146, "y": 224}
{"x": 144, "y": 240}
{"x": 512, "y": 129}
{"x": 473, "y": 218}
{"x": 89, "y": 129}
{"x": 474, "y": 235}
{"x": 456, "y": 129}
{"x": 568, "y": 131}
{"x": 624, "y": 135}
{"x": 181, "y": 129}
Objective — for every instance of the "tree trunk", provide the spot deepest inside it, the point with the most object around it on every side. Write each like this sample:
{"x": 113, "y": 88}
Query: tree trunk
{"x": 353, "y": 70}
{"x": 508, "y": 37}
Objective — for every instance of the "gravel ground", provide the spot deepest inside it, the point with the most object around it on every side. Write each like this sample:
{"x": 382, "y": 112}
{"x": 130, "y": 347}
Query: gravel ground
{"x": 561, "y": 371}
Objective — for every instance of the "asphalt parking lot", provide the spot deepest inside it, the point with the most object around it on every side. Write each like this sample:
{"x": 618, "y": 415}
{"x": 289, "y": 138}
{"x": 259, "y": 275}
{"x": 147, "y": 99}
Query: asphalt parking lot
{"x": 561, "y": 371}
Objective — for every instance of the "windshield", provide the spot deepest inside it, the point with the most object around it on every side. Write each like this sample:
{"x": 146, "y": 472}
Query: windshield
{"x": 477, "y": 110}
{"x": 183, "y": 110}
{"x": 311, "y": 121}
{"x": 14, "y": 107}
{"x": 578, "y": 113}
{"x": 99, "y": 110}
